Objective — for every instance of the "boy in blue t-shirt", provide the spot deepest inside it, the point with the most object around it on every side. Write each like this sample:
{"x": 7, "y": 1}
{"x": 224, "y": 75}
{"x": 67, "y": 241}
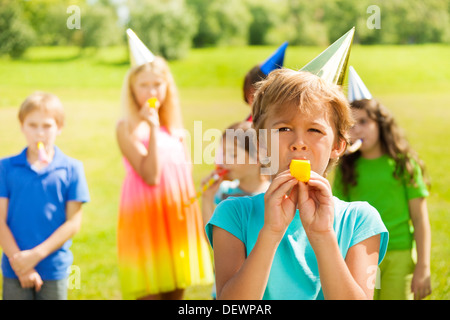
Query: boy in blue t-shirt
{"x": 297, "y": 241}
{"x": 41, "y": 194}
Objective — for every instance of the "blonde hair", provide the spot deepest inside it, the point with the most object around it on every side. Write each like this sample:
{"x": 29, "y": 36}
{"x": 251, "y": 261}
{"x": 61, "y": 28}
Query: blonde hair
{"x": 285, "y": 88}
{"x": 45, "y": 102}
{"x": 169, "y": 112}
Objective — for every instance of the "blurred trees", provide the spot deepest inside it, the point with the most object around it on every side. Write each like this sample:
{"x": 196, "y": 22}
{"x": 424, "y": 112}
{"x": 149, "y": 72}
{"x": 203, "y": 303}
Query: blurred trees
{"x": 171, "y": 27}
{"x": 16, "y": 34}
{"x": 166, "y": 26}
{"x": 221, "y": 22}
{"x": 262, "y": 21}
{"x": 45, "y": 23}
{"x": 49, "y": 19}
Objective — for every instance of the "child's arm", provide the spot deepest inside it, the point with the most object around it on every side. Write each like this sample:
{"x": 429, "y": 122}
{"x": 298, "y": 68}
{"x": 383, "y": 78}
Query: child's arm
{"x": 144, "y": 161}
{"x": 352, "y": 278}
{"x": 25, "y": 260}
{"x": 340, "y": 279}
{"x": 421, "y": 283}
{"x": 7, "y": 241}
{"x": 241, "y": 277}
{"x": 30, "y": 279}
{"x": 208, "y": 204}
{"x": 207, "y": 209}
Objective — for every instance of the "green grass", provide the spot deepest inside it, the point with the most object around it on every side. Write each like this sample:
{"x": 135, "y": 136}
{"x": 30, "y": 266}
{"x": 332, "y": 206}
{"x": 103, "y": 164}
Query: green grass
{"x": 411, "y": 80}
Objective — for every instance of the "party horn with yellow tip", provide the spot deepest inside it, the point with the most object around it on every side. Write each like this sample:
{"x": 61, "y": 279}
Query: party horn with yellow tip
{"x": 43, "y": 157}
{"x": 220, "y": 172}
{"x": 153, "y": 102}
{"x": 300, "y": 169}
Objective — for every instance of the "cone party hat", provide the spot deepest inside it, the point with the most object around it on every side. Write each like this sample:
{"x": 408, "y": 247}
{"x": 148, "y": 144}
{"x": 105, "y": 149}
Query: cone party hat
{"x": 331, "y": 64}
{"x": 357, "y": 90}
{"x": 275, "y": 61}
{"x": 139, "y": 53}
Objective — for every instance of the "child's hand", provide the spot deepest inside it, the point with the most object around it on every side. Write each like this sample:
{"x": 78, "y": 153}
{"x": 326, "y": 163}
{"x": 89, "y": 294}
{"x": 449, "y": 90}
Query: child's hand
{"x": 315, "y": 204}
{"x": 421, "y": 283}
{"x": 150, "y": 115}
{"x": 212, "y": 189}
{"x": 23, "y": 261}
{"x": 31, "y": 279}
{"x": 280, "y": 208}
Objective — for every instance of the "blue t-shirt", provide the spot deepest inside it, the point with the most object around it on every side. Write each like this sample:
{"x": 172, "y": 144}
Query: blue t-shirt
{"x": 229, "y": 189}
{"x": 37, "y": 206}
{"x": 294, "y": 273}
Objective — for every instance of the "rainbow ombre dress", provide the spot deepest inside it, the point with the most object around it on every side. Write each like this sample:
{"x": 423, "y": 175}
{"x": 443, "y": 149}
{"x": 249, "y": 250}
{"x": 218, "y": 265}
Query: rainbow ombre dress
{"x": 161, "y": 242}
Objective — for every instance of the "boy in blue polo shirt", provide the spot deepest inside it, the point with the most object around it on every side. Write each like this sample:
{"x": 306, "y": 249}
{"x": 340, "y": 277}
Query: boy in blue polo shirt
{"x": 41, "y": 194}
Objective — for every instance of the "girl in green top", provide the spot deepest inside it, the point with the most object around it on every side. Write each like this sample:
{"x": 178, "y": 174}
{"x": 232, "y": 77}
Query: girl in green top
{"x": 388, "y": 174}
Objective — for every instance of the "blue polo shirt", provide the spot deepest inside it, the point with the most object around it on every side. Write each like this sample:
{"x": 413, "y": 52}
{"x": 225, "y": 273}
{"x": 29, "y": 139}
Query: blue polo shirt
{"x": 294, "y": 273}
{"x": 37, "y": 206}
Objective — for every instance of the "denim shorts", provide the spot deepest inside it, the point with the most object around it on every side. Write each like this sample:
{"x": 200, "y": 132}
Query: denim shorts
{"x": 50, "y": 290}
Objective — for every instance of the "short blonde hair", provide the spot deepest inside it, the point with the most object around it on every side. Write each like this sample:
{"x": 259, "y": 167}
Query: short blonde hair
{"x": 169, "y": 112}
{"x": 304, "y": 90}
{"x": 43, "y": 101}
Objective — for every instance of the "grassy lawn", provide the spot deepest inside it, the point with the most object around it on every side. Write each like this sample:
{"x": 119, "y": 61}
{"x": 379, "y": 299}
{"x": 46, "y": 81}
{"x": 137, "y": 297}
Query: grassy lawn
{"x": 413, "y": 81}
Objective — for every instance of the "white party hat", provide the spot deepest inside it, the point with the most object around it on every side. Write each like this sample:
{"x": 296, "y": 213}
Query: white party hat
{"x": 139, "y": 53}
{"x": 357, "y": 90}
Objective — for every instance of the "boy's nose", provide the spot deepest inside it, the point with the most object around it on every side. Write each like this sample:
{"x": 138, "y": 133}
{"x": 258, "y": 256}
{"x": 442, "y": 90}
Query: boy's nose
{"x": 298, "y": 145}
{"x": 297, "y": 148}
{"x": 40, "y": 132}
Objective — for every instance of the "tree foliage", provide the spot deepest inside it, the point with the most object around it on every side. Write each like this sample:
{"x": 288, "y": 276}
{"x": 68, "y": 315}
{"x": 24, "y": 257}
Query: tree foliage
{"x": 166, "y": 27}
{"x": 221, "y": 22}
{"x": 16, "y": 34}
{"x": 171, "y": 27}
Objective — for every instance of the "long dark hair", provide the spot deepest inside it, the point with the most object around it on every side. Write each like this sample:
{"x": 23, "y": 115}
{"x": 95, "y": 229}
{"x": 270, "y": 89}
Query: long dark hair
{"x": 393, "y": 143}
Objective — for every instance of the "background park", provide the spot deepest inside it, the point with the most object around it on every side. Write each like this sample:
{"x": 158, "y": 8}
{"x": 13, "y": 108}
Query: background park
{"x": 77, "y": 50}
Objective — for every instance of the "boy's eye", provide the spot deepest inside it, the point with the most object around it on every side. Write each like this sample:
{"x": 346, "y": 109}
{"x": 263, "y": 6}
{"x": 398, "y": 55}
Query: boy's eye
{"x": 315, "y": 130}
{"x": 284, "y": 129}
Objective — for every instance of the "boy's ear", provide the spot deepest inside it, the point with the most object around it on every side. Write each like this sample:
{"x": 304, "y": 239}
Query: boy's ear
{"x": 338, "y": 149}
{"x": 60, "y": 127}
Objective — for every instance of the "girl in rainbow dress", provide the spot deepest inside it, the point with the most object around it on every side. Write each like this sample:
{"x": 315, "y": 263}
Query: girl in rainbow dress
{"x": 162, "y": 247}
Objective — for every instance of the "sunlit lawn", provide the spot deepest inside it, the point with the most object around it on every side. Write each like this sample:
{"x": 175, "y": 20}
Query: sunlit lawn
{"x": 414, "y": 81}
